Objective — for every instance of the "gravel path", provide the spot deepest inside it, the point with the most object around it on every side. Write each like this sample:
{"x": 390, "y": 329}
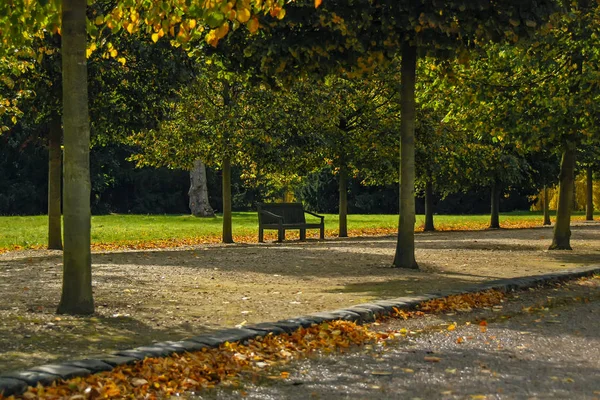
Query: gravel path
{"x": 169, "y": 294}
{"x": 542, "y": 344}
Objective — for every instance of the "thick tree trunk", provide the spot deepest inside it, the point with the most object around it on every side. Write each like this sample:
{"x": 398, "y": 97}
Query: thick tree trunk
{"x": 198, "y": 193}
{"x": 429, "y": 227}
{"x": 54, "y": 185}
{"x": 574, "y": 202}
{"x": 77, "y": 261}
{"x": 227, "y": 228}
{"x": 562, "y": 230}
{"x": 589, "y": 195}
{"x": 546, "y": 206}
{"x": 405, "y": 247}
{"x": 495, "y": 206}
{"x": 343, "y": 210}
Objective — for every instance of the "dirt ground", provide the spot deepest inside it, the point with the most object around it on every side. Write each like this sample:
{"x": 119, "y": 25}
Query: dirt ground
{"x": 146, "y": 296}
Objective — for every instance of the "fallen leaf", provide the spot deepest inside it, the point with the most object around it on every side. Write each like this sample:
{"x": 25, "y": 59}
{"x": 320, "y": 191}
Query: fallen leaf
{"x": 138, "y": 382}
{"x": 381, "y": 373}
{"x": 450, "y": 370}
{"x": 432, "y": 359}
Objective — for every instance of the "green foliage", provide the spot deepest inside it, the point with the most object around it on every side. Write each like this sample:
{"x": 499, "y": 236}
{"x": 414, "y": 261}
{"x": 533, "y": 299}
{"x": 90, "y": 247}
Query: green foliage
{"x": 361, "y": 35}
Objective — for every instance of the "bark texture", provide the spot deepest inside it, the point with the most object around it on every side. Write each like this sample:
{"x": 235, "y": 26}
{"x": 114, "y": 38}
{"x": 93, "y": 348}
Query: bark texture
{"x": 227, "y": 228}
{"x": 77, "y": 261}
{"x": 405, "y": 247}
{"x": 429, "y": 226}
{"x": 562, "y": 228}
{"x": 589, "y": 195}
{"x": 343, "y": 206}
{"x": 198, "y": 193}
{"x": 574, "y": 201}
{"x": 54, "y": 185}
{"x": 546, "y": 207}
{"x": 226, "y": 183}
{"x": 495, "y": 206}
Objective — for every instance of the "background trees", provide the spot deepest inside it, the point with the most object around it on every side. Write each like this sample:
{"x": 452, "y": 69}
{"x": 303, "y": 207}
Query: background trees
{"x": 72, "y": 23}
{"x": 240, "y": 110}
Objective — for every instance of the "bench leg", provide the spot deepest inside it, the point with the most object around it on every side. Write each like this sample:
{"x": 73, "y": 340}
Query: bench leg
{"x": 261, "y": 235}
{"x": 302, "y": 235}
{"x": 322, "y": 233}
{"x": 281, "y": 235}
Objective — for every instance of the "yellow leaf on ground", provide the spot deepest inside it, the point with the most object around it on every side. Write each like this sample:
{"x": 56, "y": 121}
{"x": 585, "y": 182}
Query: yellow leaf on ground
{"x": 381, "y": 373}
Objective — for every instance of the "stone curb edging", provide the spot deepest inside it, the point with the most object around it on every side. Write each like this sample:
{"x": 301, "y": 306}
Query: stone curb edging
{"x": 14, "y": 383}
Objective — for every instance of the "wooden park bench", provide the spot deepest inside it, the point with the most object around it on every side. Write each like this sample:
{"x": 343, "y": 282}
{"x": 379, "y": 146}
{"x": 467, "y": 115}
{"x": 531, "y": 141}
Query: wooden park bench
{"x": 286, "y": 216}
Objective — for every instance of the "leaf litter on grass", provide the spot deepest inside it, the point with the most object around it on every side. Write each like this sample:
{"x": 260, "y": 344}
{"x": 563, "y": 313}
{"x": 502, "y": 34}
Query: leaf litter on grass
{"x": 139, "y": 244}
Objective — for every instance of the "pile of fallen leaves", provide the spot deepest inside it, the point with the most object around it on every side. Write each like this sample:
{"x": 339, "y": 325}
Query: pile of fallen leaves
{"x": 461, "y": 302}
{"x": 464, "y": 302}
{"x": 162, "y": 377}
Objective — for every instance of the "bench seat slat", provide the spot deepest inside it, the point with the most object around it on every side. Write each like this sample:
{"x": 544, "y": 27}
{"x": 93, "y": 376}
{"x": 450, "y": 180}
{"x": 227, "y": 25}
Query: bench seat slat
{"x": 291, "y": 226}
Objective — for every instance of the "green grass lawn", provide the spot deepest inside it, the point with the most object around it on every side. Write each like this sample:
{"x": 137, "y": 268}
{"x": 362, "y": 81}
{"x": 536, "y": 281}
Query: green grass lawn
{"x": 30, "y": 231}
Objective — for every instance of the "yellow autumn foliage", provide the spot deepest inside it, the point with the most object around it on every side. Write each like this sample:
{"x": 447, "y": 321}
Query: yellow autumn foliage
{"x": 580, "y": 195}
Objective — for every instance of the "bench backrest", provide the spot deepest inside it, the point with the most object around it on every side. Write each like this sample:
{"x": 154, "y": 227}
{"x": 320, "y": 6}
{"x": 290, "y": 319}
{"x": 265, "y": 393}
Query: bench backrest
{"x": 292, "y": 213}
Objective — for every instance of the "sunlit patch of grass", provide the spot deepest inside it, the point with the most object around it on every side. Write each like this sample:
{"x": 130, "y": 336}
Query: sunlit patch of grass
{"x": 151, "y": 231}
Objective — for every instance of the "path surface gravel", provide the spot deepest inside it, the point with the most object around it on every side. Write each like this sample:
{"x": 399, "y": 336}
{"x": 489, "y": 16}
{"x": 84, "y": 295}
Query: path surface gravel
{"x": 148, "y": 296}
{"x": 540, "y": 344}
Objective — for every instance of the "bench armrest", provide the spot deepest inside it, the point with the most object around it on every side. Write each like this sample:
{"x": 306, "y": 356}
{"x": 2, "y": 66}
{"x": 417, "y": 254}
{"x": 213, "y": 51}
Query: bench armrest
{"x": 279, "y": 217}
{"x": 316, "y": 215}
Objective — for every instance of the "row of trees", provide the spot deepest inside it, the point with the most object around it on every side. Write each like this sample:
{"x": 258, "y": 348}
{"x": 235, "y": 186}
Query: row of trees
{"x": 252, "y": 98}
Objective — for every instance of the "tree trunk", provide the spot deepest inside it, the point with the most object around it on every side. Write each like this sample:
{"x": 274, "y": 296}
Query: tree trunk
{"x": 429, "y": 227}
{"x": 405, "y": 247}
{"x": 495, "y": 206}
{"x": 574, "y": 194}
{"x": 198, "y": 193}
{"x": 546, "y": 206}
{"x": 562, "y": 231}
{"x": 54, "y": 185}
{"x": 227, "y": 228}
{"x": 343, "y": 210}
{"x": 77, "y": 260}
{"x": 589, "y": 198}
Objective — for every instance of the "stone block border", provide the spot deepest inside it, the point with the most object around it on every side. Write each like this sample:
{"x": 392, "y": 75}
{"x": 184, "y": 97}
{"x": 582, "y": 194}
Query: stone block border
{"x": 14, "y": 383}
